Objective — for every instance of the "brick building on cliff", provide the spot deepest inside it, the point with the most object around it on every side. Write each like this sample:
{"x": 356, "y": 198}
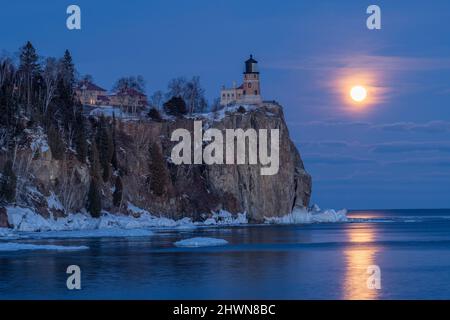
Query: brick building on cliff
{"x": 249, "y": 92}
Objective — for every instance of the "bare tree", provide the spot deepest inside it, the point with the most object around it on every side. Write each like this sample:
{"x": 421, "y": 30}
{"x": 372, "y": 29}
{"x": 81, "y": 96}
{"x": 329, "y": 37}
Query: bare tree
{"x": 195, "y": 96}
{"x": 50, "y": 76}
{"x": 156, "y": 99}
{"x": 132, "y": 82}
{"x": 68, "y": 191}
{"x": 176, "y": 88}
{"x": 191, "y": 92}
{"x": 216, "y": 105}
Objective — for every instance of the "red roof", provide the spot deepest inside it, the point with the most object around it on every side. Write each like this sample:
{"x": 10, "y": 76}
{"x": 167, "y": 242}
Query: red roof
{"x": 130, "y": 92}
{"x": 85, "y": 85}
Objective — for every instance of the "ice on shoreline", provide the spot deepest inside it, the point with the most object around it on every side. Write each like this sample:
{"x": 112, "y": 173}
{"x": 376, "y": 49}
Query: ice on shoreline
{"x": 309, "y": 216}
{"x": 140, "y": 222}
{"x": 200, "y": 242}
{"x": 26, "y": 220}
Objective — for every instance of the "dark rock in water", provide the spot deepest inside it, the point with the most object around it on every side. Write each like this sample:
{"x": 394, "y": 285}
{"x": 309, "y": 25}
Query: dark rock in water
{"x": 4, "y": 218}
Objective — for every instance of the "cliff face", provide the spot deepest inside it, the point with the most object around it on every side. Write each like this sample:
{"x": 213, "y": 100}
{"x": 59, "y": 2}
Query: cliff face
{"x": 59, "y": 186}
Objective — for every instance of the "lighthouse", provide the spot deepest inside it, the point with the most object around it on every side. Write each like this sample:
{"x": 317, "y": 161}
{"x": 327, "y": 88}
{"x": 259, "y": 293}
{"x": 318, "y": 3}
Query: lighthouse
{"x": 251, "y": 93}
{"x": 250, "y": 90}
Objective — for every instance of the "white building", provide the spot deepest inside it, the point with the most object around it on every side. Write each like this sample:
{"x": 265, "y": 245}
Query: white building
{"x": 247, "y": 93}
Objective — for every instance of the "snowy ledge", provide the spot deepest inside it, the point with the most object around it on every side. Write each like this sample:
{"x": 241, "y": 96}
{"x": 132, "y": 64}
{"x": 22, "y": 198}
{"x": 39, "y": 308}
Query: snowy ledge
{"x": 141, "y": 222}
{"x": 309, "y": 216}
{"x": 82, "y": 224}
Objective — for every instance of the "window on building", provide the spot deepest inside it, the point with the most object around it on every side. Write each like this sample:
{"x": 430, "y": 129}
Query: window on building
{"x": 256, "y": 92}
{"x": 249, "y": 84}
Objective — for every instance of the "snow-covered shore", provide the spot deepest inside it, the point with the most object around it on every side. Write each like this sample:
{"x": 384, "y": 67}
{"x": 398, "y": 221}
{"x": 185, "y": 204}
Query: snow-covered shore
{"x": 141, "y": 222}
{"x": 309, "y": 216}
{"x": 26, "y": 220}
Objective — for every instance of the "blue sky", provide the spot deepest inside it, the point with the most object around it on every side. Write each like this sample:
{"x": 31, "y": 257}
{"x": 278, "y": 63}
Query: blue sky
{"x": 392, "y": 153}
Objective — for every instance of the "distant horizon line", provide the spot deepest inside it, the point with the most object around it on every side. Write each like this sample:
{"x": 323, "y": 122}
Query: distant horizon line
{"x": 399, "y": 209}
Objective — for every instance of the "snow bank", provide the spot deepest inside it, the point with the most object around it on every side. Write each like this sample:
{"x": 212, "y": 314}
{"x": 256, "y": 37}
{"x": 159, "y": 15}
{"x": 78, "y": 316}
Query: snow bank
{"x": 222, "y": 113}
{"x": 107, "y": 111}
{"x": 12, "y": 246}
{"x": 226, "y": 218}
{"x": 26, "y": 220}
{"x": 140, "y": 221}
{"x": 200, "y": 242}
{"x": 308, "y": 216}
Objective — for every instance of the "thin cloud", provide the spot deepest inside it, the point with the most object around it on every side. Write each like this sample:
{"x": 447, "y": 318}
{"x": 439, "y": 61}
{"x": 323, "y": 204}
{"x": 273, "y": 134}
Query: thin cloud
{"x": 365, "y": 62}
{"x": 323, "y": 159}
{"x": 432, "y": 127}
{"x": 379, "y": 74}
{"x": 406, "y": 146}
{"x": 422, "y": 162}
{"x": 429, "y": 127}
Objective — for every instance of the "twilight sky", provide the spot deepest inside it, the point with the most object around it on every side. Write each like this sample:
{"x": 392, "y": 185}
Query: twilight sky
{"x": 392, "y": 153}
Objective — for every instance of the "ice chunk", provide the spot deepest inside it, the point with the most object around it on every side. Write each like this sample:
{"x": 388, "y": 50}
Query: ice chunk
{"x": 12, "y": 246}
{"x": 200, "y": 242}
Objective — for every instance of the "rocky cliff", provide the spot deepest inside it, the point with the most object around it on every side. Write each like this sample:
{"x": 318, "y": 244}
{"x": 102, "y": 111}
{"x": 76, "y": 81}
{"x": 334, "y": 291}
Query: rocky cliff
{"x": 56, "y": 187}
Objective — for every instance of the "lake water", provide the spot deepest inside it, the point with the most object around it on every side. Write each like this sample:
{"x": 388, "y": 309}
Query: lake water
{"x": 329, "y": 261}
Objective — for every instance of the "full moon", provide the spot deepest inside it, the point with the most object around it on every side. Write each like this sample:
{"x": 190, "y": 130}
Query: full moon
{"x": 358, "y": 93}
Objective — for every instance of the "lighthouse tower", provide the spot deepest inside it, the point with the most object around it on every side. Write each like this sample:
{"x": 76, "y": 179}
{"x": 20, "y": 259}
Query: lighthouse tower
{"x": 247, "y": 93}
{"x": 251, "y": 93}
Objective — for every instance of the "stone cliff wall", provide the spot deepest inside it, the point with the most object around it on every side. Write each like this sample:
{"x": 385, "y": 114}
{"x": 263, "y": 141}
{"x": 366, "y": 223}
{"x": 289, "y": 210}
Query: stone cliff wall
{"x": 190, "y": 190}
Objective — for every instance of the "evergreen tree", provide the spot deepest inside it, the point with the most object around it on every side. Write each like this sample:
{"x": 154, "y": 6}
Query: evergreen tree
{"x": 154, "y": 115}
{"x": 114, "y": 160}
{"x": 8, "y": 97}
{"x": 94, "y": 160}
{"x": 8, "y": 183}
{"x": 159, "y": 177}
{"x": 80, "y": 136}
{"x": 68, "y": 71}
{"x": 29, "y": 69}
{"x": 94, "y": 203}
{"x": 66, "y": 102}
{"x": 118, "y": 192}
{"x": 106, "y": 149}
{"x": 55, "y": 142}
{"x": 175, "y": 106}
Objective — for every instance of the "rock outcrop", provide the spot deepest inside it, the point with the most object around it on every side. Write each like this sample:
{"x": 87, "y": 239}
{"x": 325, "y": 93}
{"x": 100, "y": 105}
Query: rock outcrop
{"x": 4, "y": 218}
{"x": 55, "y": 187}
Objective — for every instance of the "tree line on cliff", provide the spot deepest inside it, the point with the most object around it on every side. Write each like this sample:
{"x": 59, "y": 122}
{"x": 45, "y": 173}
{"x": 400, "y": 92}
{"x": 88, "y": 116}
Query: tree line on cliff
{"x": 39, "y": 92}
